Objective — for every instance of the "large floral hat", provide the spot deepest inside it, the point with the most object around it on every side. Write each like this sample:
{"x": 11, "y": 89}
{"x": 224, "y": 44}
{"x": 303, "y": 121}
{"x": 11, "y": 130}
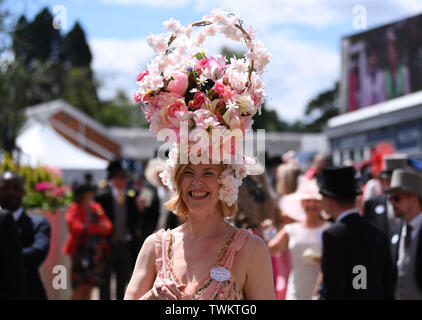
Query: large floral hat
{"x": 183, "y": 86}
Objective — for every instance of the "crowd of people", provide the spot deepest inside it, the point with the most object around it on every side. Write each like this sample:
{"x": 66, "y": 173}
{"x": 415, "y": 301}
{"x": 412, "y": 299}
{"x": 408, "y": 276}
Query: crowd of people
{"x": 320, "y": 234}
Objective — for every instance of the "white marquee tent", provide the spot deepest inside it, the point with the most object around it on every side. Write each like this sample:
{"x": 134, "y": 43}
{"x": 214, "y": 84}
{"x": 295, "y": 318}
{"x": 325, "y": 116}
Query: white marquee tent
{"x": 42, "y": 145}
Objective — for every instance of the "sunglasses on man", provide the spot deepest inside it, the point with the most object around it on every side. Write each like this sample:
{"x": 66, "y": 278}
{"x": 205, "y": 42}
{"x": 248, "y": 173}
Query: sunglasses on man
{"x": 397, "y": 197}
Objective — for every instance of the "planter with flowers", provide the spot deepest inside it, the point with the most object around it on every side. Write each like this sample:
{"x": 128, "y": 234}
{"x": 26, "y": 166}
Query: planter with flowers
{"x": 44, "y": 187}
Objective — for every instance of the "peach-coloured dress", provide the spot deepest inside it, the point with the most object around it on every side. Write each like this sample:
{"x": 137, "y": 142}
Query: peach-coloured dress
{"x": 207, "y": 288}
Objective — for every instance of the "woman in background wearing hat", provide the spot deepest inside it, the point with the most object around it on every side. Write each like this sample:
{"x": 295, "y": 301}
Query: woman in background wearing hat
{"x": 302, "y": 239}
{"x": 154, "y": 189}
{"x": 86, "y": 243}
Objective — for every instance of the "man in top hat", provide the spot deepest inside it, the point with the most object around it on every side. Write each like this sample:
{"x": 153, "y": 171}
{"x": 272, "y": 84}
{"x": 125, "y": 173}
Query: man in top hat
{"x": 405, "y": 195}
{"x": 120, "y": 206}
{"x": 378, "y": 211}
{"x": 356, "y": 264}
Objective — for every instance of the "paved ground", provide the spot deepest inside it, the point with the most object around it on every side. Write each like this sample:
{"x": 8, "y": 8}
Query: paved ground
{"x": 96, "y": 291}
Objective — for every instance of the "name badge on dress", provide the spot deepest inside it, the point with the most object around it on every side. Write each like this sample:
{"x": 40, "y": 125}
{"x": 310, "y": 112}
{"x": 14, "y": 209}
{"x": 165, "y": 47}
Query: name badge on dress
{"x": 220, "y": 274}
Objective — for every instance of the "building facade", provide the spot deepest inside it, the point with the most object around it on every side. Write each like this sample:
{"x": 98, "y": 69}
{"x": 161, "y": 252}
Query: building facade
{"x": 398, "y": 122}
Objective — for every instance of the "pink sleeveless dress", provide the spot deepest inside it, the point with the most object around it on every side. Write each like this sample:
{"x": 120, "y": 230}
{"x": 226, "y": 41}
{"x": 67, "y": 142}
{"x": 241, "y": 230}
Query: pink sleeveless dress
{"x": 206, "y": 288}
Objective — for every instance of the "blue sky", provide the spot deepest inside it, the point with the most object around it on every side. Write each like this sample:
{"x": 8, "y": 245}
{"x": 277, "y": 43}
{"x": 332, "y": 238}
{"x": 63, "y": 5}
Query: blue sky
{"x": 303, "y": 36}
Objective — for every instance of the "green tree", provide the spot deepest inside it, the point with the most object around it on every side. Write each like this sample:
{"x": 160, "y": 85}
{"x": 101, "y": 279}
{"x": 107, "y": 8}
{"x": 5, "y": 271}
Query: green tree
{"x": 121, "y": 112}
{"x": 37, "y": 40}
{"x": 230, "y": 53}
{"x": 79, "y": 87}
{"x": 21, "y": 46}
{"x": 321, "y": 108}
{"x": 81, "y": 91}
{"x": 3, "y": 29}
{"x": 36, "y": 72}
{"x": 75, "y": 50}
{"x": 268, "y": 120}
{"x": 11, "y": 98}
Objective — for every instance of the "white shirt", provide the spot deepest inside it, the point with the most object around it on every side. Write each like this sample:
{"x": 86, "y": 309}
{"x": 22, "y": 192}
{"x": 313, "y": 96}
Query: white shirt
{"x": 17, "y": 213}
{"x": 346, "y": 213}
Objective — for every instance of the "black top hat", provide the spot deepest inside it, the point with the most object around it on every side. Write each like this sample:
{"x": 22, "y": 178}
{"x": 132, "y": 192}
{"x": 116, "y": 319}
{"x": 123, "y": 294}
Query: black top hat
{"x": 114, "y": 167}
{"x": 339, "y": 182}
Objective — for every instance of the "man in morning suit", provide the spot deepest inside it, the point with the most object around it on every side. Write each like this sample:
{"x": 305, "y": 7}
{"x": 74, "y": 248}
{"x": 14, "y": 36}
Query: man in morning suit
{"x": 12, "y": 276}
{"x": 356, "y": 264}
{"x": 405, "y": 194}
{"x": 34, "y": 233}
{"x": 378, "y": 211}
{"x": 120, "y": 206}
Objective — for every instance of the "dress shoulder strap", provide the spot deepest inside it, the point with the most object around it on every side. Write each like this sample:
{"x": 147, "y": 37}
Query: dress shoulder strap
{"x": 161, "y": 243}
{"x": 237, "y": 244}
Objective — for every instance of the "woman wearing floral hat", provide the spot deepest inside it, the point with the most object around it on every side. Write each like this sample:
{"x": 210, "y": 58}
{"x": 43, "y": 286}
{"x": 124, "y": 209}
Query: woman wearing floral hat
{"x": 206, "y": 257}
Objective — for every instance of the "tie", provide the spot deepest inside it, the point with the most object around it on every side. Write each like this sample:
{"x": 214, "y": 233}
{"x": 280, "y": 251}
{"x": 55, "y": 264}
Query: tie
{"x": 408, "y": 238}
{"x": 121, "y": 197}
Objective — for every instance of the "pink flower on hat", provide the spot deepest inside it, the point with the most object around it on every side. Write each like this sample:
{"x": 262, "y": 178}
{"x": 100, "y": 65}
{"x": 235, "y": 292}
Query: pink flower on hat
{"x": 164, "y": 99}
{"x": 197, "y": 101}
{"x": 142, "y": 75}
{"x": 216, "y": 67}
{"x": 224, "y": 92}
{"x": 202, "y": 65}
{"x": 170, "y": 113}
{"x": 179, "y": 83}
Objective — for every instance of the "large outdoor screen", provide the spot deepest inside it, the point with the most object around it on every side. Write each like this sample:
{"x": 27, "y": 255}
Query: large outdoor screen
{"x": 381, "y": 64}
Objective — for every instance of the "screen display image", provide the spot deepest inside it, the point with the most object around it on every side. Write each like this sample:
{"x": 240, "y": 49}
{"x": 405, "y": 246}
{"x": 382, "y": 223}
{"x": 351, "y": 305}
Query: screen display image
{"x": 382, "y": 63}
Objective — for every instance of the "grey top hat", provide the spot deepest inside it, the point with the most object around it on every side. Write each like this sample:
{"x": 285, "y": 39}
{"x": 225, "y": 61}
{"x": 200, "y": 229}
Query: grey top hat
{"x": 393, "y": 162}
{"x": 407, "y": 181}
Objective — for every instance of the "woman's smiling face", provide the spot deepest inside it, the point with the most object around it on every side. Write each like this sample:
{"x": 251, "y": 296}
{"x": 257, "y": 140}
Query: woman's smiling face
{"x": 199, "y": 186}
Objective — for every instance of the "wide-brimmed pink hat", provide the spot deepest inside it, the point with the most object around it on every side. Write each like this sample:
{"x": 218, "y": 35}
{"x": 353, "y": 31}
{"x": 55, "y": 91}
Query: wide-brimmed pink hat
{"x": 291, "y": 204}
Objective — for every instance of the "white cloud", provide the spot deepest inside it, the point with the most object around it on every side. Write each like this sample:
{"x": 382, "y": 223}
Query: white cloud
{"x": 152, "y": 3}
{"x": 120, "y": 55}
{"x": 299, "y": 69}
{"x": 116, "y": 63}
{"x": 263, "y": 14}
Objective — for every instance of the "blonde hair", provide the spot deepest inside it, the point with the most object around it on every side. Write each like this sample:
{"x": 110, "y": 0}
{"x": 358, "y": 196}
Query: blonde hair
{"x": 287, "y": 175}
{"x": 179, "y": 207}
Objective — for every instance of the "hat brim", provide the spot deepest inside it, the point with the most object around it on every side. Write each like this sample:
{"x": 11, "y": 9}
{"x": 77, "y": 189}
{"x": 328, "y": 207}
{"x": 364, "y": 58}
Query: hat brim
{"x": 404, "y": 190}
{"x": 328, "y": 193}
{"x": 152, "y": 170}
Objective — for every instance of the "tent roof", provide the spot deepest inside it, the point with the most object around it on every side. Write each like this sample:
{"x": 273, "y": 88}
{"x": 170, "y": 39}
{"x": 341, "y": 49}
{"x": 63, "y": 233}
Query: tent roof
{"x": 42, "y": 145}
